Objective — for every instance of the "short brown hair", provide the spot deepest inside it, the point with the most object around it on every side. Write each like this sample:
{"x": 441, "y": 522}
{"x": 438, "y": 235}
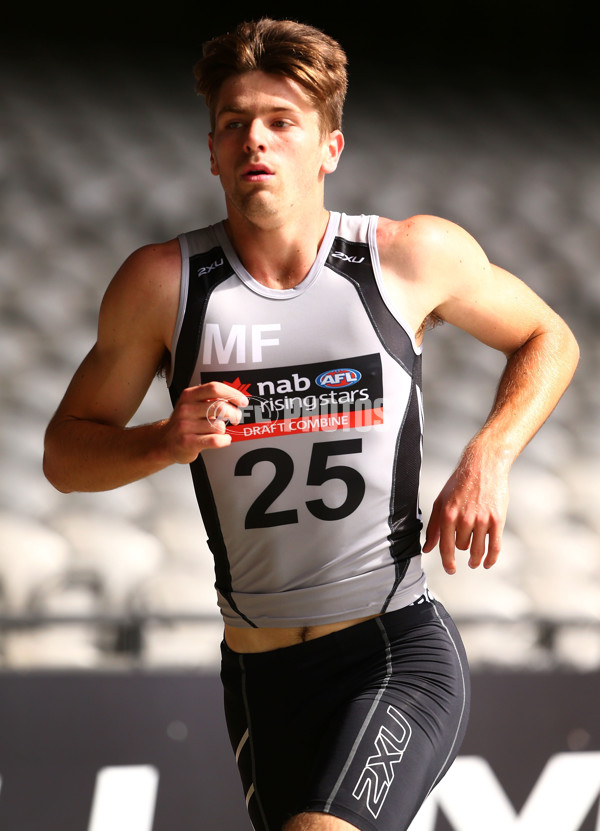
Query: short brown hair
{"x": 281, "y": 47}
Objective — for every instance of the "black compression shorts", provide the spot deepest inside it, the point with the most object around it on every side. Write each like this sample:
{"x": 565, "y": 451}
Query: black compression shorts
{"x": 360, "y": 724}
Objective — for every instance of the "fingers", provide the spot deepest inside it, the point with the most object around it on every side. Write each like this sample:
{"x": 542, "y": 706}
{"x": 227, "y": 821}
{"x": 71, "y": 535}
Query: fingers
{"x": 470, "y": 511}
{"x": 212, "y": 406}
{"x": 432, "y": 533}
{"x": 443, "y": 534}
{"x": 216, "y": 393}
{"x": 220, "y": 413}
{"x": 201, "y": 417}
{"x": 483, "y": 539}
{"x": 474, "y": 529}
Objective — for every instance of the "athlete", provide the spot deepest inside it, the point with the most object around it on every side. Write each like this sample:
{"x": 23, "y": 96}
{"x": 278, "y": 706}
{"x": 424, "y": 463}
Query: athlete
{"x": 291, "y": 339}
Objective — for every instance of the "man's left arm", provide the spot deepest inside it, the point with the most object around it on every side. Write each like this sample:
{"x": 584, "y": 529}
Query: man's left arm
{"x": 542, "y": 354}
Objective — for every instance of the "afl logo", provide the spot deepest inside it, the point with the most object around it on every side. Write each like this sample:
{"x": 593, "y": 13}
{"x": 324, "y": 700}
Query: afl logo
{"x": 336, "y": 378}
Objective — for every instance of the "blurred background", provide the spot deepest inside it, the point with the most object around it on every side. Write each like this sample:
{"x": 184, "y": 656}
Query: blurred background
{"x": 484, "y": 114}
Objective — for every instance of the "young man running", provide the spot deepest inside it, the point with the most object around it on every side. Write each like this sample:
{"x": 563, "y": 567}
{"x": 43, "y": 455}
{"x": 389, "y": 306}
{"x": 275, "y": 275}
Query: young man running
{"x": 291, "y": 337}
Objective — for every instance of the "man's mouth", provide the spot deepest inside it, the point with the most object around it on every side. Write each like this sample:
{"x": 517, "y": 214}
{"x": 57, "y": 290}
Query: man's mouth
{"x": 257, "y": 172}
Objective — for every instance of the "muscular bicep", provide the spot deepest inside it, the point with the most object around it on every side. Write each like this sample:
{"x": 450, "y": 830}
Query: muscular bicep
{"x": 494, "y": 306}
{"x": 109, "y": 385}
{"x": 434, "y": 270}
{"x": 452, "y": 279}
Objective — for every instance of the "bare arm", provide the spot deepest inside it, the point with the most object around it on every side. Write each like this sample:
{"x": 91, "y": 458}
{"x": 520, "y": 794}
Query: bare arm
{"x": 88, "y": 445}
{"x": 472, "y": 506}
{"x": 450, "y": 276}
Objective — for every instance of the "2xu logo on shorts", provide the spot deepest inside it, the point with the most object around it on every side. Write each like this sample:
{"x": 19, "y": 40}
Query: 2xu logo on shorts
{"x": 378, "y": 774}
{"x": 341, "y": 394}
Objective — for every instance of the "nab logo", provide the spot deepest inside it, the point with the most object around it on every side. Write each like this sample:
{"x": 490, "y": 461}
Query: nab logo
{"x": 337, "y": 378}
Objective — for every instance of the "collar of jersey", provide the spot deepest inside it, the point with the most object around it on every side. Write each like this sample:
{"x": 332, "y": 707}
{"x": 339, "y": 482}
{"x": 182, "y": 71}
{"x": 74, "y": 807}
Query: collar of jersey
{"x": 279, "y": 294}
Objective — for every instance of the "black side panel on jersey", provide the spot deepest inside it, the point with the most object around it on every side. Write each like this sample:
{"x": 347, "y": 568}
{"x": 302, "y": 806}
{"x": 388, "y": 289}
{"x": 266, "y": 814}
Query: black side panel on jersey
{"x": 203, "y": 278}
{"x": 352, "y": 260}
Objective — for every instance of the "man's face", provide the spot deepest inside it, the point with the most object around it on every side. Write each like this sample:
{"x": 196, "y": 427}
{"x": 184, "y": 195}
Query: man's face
{"x": 268, "y": 149}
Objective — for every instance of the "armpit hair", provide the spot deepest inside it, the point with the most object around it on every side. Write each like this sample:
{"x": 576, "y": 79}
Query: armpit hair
{"x": 164, "y": 365}
{"x": 431, "y": 322}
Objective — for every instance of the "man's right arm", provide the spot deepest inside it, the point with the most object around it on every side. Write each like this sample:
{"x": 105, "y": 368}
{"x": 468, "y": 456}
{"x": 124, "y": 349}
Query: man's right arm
{"x": 88, "y": 445}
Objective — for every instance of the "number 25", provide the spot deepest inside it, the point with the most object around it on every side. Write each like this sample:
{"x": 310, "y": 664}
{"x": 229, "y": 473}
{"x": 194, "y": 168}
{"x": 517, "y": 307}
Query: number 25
{"x": 258, "y": 515}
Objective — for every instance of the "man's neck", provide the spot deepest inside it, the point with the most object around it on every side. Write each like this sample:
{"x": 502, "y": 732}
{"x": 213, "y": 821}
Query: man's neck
{"x": 279, "y": 255}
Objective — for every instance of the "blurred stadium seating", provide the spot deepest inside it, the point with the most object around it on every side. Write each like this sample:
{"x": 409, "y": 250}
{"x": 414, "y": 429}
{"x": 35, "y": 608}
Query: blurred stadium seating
{"x": 96, "y": 163}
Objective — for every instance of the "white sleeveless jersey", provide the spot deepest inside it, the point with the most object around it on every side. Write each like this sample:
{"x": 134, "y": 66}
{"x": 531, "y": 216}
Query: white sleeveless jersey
{"x": 312, "y": 511}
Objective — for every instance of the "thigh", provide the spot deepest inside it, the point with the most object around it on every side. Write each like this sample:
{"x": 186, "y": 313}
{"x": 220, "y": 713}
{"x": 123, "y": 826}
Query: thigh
{"x": 277, "y": 708}
{"x": 395, "y": 740}
{"x": 318, "y": 822}
{"x": 356, "y": 726}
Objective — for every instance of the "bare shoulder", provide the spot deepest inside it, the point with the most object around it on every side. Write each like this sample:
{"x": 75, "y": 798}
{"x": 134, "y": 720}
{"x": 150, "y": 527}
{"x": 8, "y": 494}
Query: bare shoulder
{"x": 154, "y": 268}
{"x": 440, "y": 271}
{"x": 145, "y": 290}
{"x": 425, "y": 260}
{"x": 419, "y": 245}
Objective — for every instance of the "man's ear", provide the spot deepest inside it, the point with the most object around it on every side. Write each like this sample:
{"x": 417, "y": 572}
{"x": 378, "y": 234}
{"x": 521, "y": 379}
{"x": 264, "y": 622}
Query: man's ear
{"x": 214, "y": 169}
{"x": 332, "y": 151}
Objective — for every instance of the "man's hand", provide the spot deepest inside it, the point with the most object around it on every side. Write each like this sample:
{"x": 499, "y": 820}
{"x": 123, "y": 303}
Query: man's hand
{"x": 470, "y": 513}
{"x": 199, "y": 420}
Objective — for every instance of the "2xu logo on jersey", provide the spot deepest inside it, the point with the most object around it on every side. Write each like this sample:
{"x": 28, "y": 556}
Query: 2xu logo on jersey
{"x": 307, "y": 397}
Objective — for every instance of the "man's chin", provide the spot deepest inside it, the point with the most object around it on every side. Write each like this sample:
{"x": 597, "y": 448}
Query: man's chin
{"x": 257, "y": 208}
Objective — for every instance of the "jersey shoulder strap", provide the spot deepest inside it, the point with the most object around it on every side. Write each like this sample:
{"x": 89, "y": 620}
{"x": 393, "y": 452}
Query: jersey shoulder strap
{"x": 355, "y": 256}
{"x": 204, "y": 266}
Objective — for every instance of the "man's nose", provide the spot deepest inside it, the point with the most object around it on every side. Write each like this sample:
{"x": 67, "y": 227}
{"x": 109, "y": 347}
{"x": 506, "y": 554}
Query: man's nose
{"x": 256, "y": 136}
